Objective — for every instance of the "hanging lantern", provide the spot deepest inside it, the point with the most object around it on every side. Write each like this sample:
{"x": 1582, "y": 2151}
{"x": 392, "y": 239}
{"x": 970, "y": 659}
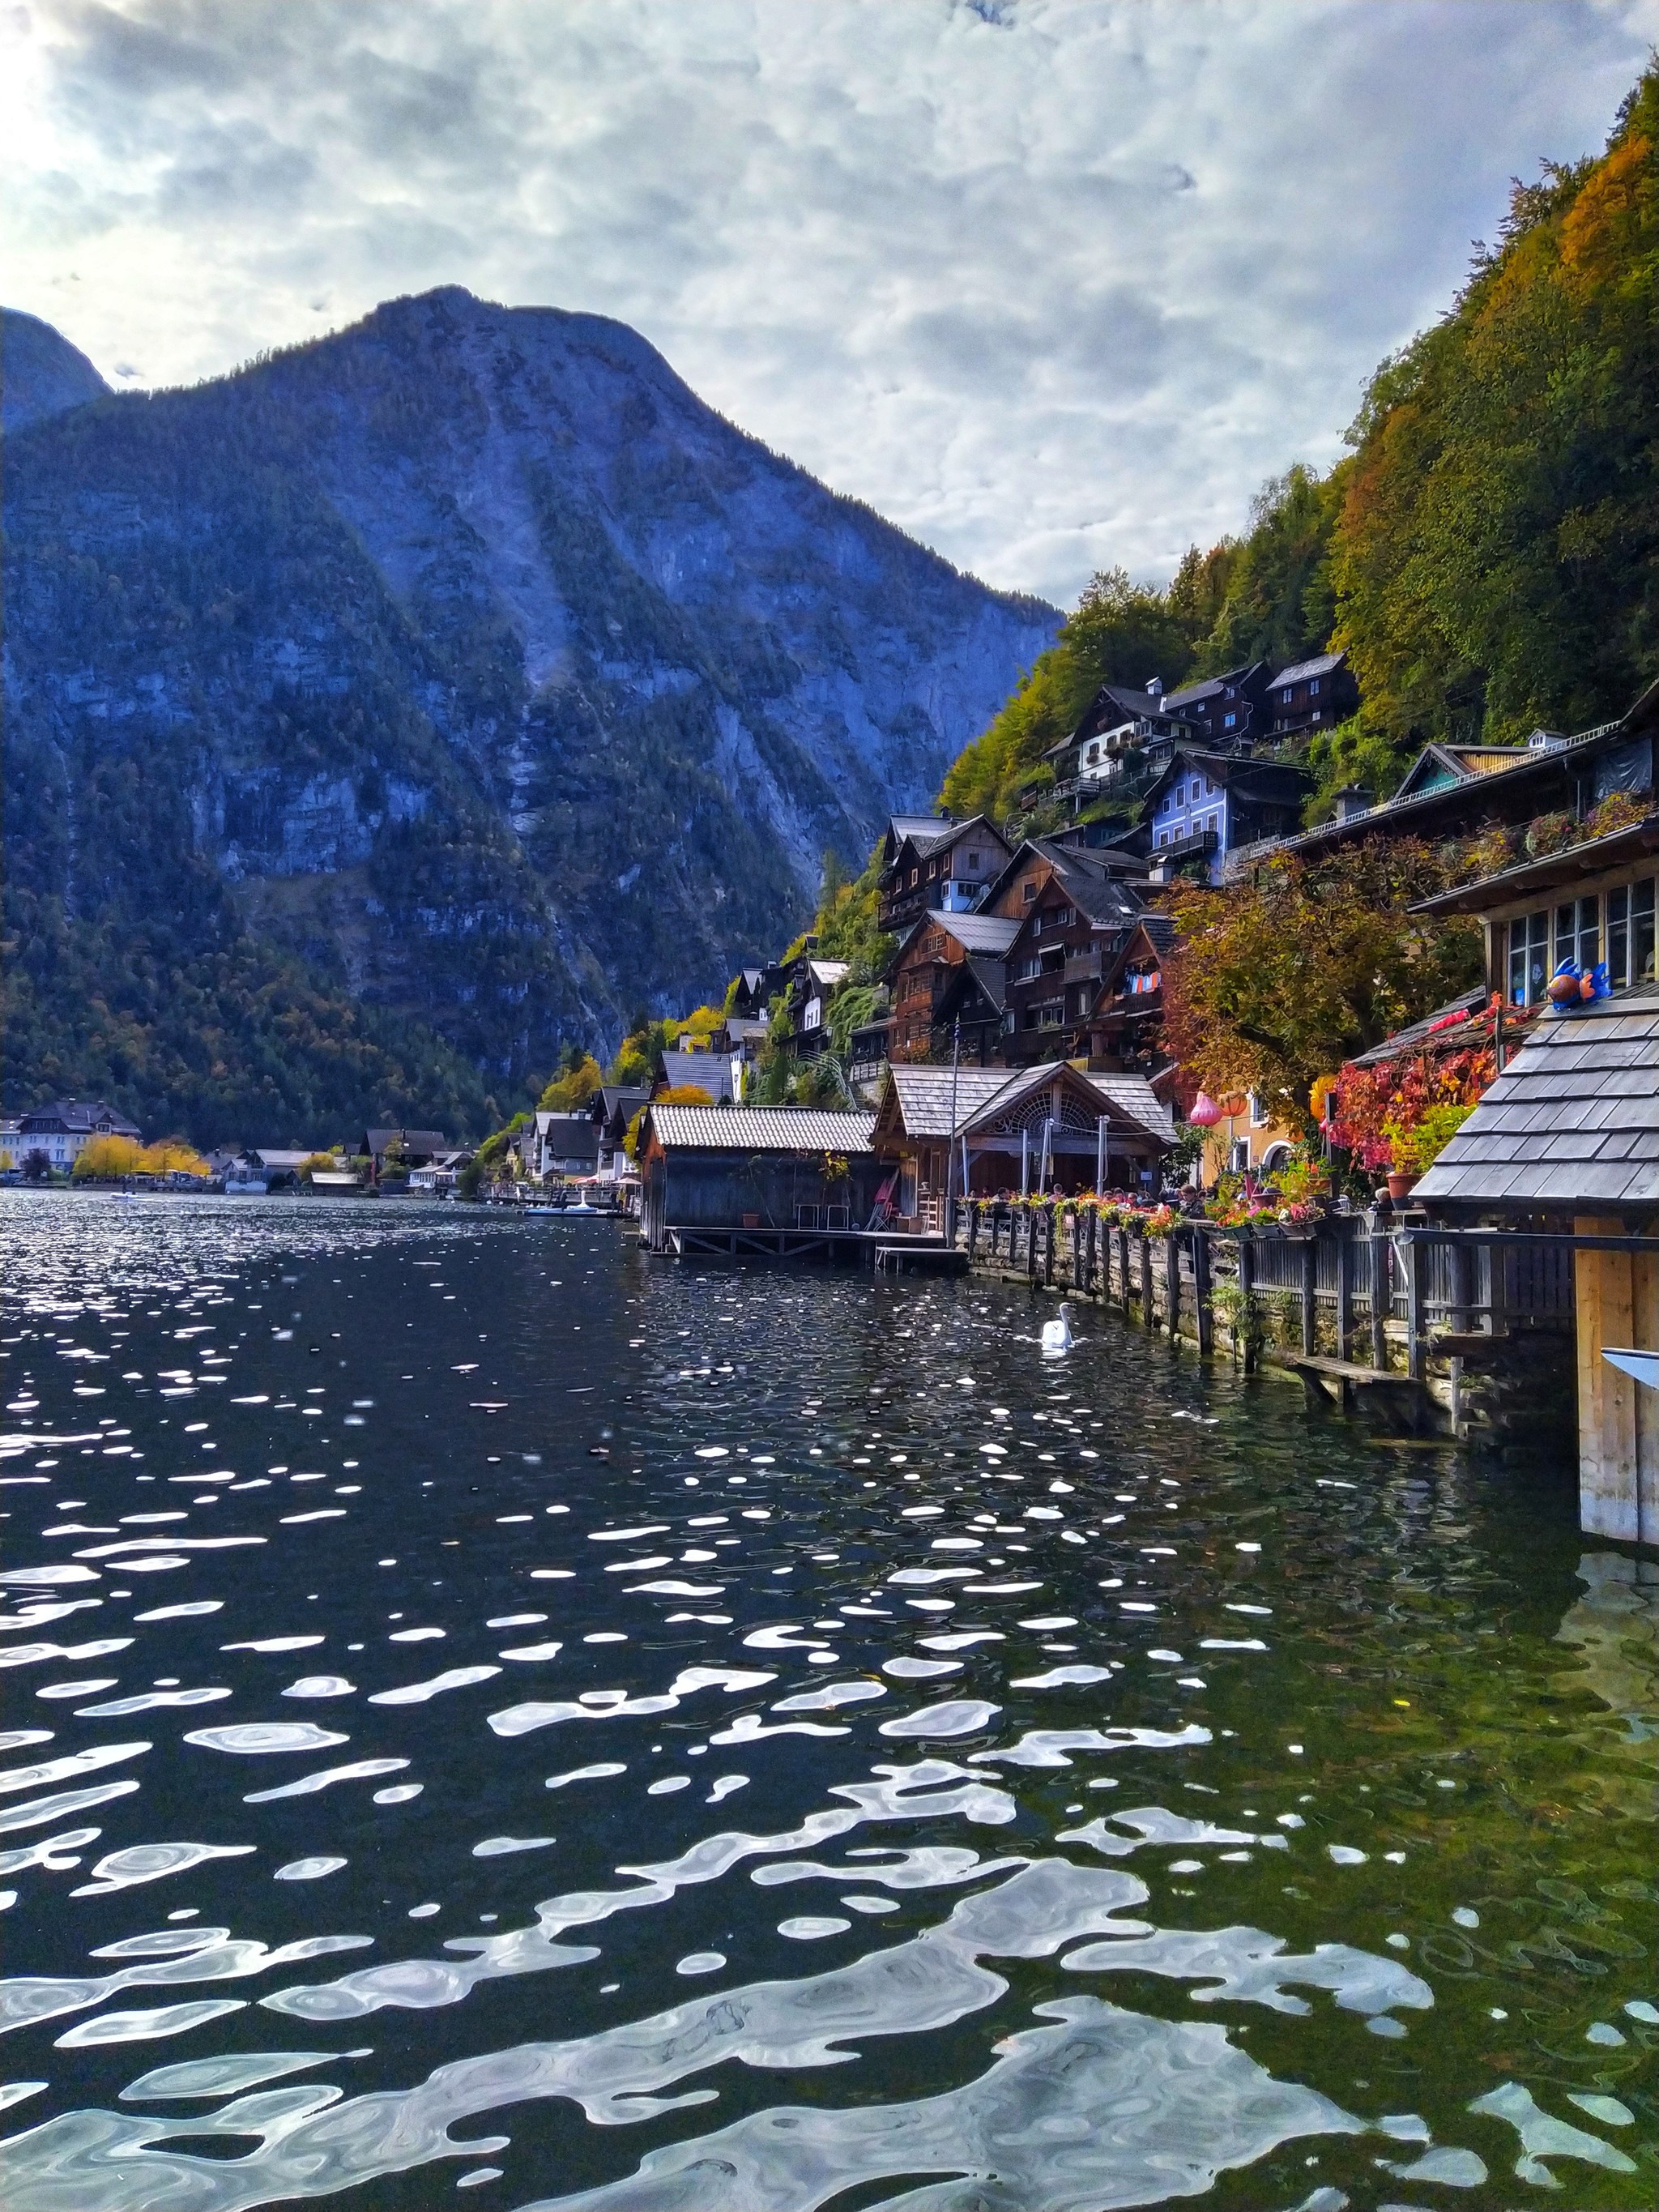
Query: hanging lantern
{"x": 1204, "y": 1113}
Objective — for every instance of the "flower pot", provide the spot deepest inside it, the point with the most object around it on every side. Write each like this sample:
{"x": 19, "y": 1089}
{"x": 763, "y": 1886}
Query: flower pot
{"x": 1401, "y": 1187}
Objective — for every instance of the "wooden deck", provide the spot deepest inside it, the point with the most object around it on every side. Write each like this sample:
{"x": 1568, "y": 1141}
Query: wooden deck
{"x": 834, "y": 1247}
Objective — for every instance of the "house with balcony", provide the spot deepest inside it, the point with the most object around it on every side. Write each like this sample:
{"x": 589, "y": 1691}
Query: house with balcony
{"x": 1311, "y": 695}
{"x": 1125, "y": 731}
{"x": 1227, "y": 712}
{"x": 931, "y": 863}
{"x": 1205, "y": 806}
{"x": 1125, "y": 1024}
{"x": 939, "y": 955}
{"x": 1071, "y": 930}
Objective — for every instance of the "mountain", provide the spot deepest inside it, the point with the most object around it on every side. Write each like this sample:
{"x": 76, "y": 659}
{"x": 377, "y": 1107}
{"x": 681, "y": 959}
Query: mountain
{"x": 41, "y": 373}
{"x": 462, "y": 670}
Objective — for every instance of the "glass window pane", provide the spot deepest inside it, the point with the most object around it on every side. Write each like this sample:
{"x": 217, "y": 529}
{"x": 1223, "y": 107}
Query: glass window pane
{"x": 1590, "y": 933}
{"x": 1641, "y": 932}
{"x": 1619, "y": 936}
{"x": 1518, "y": 963}
{"x": 1566, "y": 934}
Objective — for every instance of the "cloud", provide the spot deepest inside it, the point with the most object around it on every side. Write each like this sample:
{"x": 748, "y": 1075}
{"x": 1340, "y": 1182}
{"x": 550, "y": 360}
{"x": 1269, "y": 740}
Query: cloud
{"x": 1055, "y": 283}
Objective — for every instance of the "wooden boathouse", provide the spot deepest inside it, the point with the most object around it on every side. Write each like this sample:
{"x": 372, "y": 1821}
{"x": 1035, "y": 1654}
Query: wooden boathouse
{"x": 776, "y": 1179}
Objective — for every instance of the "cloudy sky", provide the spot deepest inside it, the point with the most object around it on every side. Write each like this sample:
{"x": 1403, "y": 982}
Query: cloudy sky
{"x": 1054, "y": 283}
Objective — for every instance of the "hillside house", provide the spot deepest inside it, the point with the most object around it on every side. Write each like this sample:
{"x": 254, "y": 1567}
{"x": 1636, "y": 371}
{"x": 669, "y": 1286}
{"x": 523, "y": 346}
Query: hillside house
{"x": 1206, "y": 807}
{"x": 935, "y": 864}
{"x": 1227, "y": 712}
{"x": 1312, "y": 696}
{"x": 922, "y": 970}
{"x": 1074, "y": 914}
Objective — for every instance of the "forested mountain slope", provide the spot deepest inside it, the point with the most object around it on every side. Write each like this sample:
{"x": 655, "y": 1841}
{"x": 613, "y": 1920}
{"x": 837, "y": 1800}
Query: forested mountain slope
{"x": 462, "y": 669}
{"x": 1487, "y": 555}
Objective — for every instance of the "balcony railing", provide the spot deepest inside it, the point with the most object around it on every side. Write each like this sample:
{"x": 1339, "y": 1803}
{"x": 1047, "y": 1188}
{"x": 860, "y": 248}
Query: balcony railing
{"x": 1085, "y": 967}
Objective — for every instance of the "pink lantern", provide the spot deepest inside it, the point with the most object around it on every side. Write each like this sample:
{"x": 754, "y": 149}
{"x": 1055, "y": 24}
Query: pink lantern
{"x": 1204, "y": 1113}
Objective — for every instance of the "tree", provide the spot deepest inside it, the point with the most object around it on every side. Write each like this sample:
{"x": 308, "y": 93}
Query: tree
{"x": 1497, "y": 550}
{"x": 103, "y": 1159}
{"x": 580, "y": 1077}
{"x": 1274, "y": 981}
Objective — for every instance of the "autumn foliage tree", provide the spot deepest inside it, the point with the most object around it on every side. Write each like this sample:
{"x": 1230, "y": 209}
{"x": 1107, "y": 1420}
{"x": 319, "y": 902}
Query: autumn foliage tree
{"x": 1275, "y": 981}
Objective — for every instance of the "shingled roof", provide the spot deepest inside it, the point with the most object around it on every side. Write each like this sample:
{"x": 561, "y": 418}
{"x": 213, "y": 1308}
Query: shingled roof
{"x": 1571, "y": 1125}
{"x": 760, "y": 1129}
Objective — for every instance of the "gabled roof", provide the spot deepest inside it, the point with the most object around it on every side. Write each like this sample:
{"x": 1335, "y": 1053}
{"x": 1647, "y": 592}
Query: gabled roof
{"x": 990, "y": 933}
{"x": 827, "y": 973}
{"x": 1438, "y": 766}
{"x": 916, "y": 1102}
{"x": 974, "y": 974}
{"x": 81, "y": 1117}
{"x": 1190, "y": 694}
{"x": 758, "y": 1129}
{"x": 1416, "y": 1034}
{"x": 1571, "y": 1125}
{"x": 710, "y": 1071}
{"x": 413, "y": 1140}
{"x": 1302, "y": 671}
{"x": 277, "y": 1156}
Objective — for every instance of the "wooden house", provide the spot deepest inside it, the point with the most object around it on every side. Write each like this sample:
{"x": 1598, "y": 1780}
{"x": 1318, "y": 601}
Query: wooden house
{"x": 1227, "y": 712}
{"x": 931, "y": 863}
{"x": 1053, "y": 1128}
{"x": 921, "y": 974}
{"x": 1073, "y": 915}
{"x": 755, "y": 1167}
{"x": 1311, "y": 695}
{"x": 617, "y": 1104}
{"x": 1565, "y": 1145}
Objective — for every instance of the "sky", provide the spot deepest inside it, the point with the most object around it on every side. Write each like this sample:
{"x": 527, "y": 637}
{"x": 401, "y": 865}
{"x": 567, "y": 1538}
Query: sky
{"x": 1054, "y": 284}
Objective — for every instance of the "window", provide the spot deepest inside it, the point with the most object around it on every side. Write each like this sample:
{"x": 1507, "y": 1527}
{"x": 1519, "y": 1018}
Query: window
{"x": 975, "y": 861}
{"x": 1227, "y": 722}
{"x": 1529, "y": 958}
{"x": 915, "y": 877}
{"x": 1286, "y": 694}
{"x": 1030, "y": 968}
{"x": 1618, "y": 935}
{"x": 1260, "y": 1116}
{"x": 1313, "y": 689}
{"x": 1578, "y": 932}
{"x": 1630, "y": 951}
{"x": 1061, "y": 917}
{"x": 1029, "y": 891}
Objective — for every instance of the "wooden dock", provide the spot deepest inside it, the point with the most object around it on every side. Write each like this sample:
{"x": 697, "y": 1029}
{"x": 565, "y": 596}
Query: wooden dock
{"x": 835, "y": 1248}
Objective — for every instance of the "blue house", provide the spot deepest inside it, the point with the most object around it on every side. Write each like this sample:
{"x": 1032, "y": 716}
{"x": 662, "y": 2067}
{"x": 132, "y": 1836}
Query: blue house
{"x": 1207, "y": 805}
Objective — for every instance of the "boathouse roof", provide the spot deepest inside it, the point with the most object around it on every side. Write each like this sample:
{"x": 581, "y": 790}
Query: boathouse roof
{"x": 1572, "y": 1124}
{"x": 922, "y": 1097}
{"x": 759, "y": 1129}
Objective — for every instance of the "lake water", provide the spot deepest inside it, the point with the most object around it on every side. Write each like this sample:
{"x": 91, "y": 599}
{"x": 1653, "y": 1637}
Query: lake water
{"x": 491, "y": 1713}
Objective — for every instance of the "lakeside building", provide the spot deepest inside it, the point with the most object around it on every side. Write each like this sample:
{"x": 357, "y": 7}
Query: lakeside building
{"x": 767, "y": 1168}
{"x": 1052, "y": 1127}
{"x": 560, "y": 1145}
{"x": 950, "y": 968}
{"x": 412, "y": 1148}
{"x": 60, "y": 1132}
{"x": 1563, "y": 1149}
{"x": 615, "y": 1106}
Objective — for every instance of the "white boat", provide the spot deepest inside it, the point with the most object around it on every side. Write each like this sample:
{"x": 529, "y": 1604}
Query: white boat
{"x": 245, "y": 1185}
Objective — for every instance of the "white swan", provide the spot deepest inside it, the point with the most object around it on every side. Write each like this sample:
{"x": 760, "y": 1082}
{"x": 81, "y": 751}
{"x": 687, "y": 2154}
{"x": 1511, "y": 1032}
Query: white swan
{"x": 1057, "y": 1334}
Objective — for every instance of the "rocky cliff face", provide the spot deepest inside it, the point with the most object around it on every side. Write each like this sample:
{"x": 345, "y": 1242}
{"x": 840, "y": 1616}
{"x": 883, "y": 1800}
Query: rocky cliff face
{"x": 467, "y": 657}
{"x": 41, "y": 373}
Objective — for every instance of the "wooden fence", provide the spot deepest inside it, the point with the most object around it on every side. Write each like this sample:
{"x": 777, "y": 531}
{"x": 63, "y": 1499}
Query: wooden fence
{"x": 1351, "y": 1286}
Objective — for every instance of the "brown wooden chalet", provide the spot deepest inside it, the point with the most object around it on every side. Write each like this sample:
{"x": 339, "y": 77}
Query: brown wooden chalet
{"x": 1312, "y": 695}
{"x": 1126, "y": 1020}
{"x": 930, "y": 862}
{"x": 1227, "y": 712}
{"x": 925, "y": 966}
{"x": 1074, "y": 912}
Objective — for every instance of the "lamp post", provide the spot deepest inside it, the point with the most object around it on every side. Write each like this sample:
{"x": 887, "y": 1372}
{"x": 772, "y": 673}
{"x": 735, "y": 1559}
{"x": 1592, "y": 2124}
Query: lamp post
{"x": 951, "y": 1156}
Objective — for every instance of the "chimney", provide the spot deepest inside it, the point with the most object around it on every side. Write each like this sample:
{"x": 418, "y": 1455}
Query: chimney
{"x": 1352, "y": 801}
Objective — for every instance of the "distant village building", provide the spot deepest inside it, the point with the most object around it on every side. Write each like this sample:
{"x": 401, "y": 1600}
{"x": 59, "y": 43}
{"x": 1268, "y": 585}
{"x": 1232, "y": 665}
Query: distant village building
{"x": 616, "y": 1106}
{"x": 563, "y": 1144}
{"x": 411, "y": 1148}
{"x": 61, "y": 1132}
